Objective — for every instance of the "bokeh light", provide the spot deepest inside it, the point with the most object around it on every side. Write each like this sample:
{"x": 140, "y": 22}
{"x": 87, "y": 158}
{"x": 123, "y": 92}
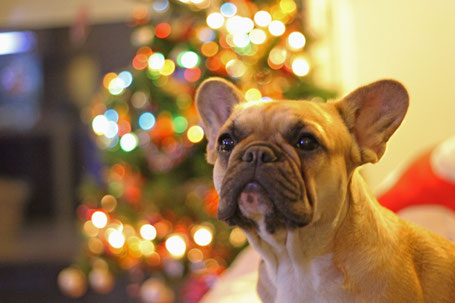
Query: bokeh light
{"x": 146, "y": 121}
{"x": 111, "y": 129}
{"x": 235, "y": 68}
{"x": 176, "y": 245}
{"x": 195, "y": 134}
{"x": 156, "y": 61}
{"x": 139, "y": 99}
{"x": 116, "y": 239}
{"x": 99, "y": 219}
{"x": 253, "y": 94}
{"x": 160, "y": 5}
{"x": 215, "y": 20}
{"x": 195, "y": 255}
{"x": 300, "y": 66}
{"x": 188, "y": 59}
{"x": 108, "y": 78}
{"x": 111, "y": 115}
{"x": 128, "y": 142}
{"x": 179, "y": 124}
{"x": 116, "y": 86}
{"x": 209, "y": 49}
{"x": 168, "y": 67}
{"x": 296, "y": 41}
{"x": 228, "y": 9}
{"x": 148, "y": 232}
{"x": 109, "y": 203}
{"x": 277, "y": 55}
{"x": 99, "y": 124}
{"x": 262, "y": 18}
{"x": 162, "y": 30}
{"x": 258, "y": 36}
{"x": 90, "y": 229}
{"x": 288, "y": 6}
{"x": 146, "y": 248}
{"x": 239, "y": 25}
{"x": 192, "y": 74}
{"x": 95, "y": 246}
{"x": 237, "y": 237}
{"x": 277, "y": 28}
{"x": 203, "y": 236}
{"x": 241, "y": 40}
{"x": 126, "y": 77}
{"x": 206, "y": 35}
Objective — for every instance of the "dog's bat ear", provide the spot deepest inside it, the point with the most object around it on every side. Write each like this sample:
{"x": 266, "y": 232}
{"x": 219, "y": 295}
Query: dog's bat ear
{"x": 215, "y": 100}
{"x": 372, "y": 114}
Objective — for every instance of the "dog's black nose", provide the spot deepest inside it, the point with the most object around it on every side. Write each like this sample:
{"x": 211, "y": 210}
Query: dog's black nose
{"x": 259, "y": 154}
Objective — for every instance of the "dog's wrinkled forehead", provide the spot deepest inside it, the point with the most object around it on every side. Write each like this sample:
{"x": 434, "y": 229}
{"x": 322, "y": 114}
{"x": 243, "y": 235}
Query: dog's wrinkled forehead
{"x": 280, "y": 117}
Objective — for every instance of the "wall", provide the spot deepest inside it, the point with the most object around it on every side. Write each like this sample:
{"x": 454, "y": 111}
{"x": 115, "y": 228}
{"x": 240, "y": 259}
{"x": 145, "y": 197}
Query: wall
{"x": 32, "y": 14}
{"x": 408, "y": 40}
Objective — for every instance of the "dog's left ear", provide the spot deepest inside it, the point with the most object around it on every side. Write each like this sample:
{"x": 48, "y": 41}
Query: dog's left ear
{"x": 372, "y": 114}
{"x": 215, "y": 100}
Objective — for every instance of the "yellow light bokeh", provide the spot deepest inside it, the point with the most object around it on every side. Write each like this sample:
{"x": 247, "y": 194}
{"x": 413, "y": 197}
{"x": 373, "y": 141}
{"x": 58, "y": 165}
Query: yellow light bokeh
{"x": 195, "y": 134}
{"x": 168, "y": 67}
{"x": 262, "y": 18}
{"x": 239, "y": 25}
{"x": 203, "y": 236}
{"x": 99, "y": 219}
{"x": 148, "y": 232}
{"x": 133, "y": 246}
{"x": 90, "y": 229}
{"x": 258, "y": 36}
{"x": 241, "y": 40}
{"x": 109, "y": 203}
{"x": 237, "y": 237}
{"x": 253, "y": 94}
{"x": 108, "y": 78}
{"x": 278, "y": 55}
{"x": 227, "y": 56}
{"x": 277, "y": 28}
{"x": 116, "y": 86}
{"x": 95, "y": 246}
{"x": 209, "y": 49}
{"x": 116, "y": 239}
{"x": 195, "y": 255}
{"x": 156, "y": 61}
{"x": 300, "y": 66}
{"x": 288, "y": 6}
{"x": 296, "y": 41}
{"x": 235, "y": 68}
{"x": 176, "y": 246}
{"x": 146, "y": 247}
{"x": 215, "y": 20}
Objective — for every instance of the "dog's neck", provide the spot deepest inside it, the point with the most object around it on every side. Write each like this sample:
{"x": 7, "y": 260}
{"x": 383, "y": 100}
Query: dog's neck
{"x": 303, "y": 253}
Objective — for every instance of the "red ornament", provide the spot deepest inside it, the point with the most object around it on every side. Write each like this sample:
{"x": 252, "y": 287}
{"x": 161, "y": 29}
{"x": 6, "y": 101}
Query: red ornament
{"x": 422, "y": 184}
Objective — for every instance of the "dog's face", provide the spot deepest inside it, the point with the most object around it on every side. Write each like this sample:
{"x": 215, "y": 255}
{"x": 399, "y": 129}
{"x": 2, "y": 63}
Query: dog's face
{"x": 286, "y": 164}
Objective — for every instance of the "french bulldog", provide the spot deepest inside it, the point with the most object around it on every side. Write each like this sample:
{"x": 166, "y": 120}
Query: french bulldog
{"x": 287, "y": 174}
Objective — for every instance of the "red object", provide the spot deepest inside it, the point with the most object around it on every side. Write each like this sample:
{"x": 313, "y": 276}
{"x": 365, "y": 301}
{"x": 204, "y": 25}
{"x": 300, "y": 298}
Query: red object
{"x": 163, "y": 30}
{"x": 419, "y": 185}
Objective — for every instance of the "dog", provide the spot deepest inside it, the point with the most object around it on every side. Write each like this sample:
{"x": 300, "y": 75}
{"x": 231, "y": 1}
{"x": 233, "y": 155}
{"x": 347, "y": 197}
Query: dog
{"x": 287, "y": 174}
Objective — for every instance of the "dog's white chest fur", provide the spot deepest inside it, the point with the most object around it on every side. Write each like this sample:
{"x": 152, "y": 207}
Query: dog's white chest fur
{"x": 319, "y": 281}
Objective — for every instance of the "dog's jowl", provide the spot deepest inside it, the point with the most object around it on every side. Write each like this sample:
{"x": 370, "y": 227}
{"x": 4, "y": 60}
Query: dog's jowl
{"x": 287, "y": 174}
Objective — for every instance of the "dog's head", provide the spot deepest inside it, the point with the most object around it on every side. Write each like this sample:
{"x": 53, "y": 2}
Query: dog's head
{"x": 287, "y": 163}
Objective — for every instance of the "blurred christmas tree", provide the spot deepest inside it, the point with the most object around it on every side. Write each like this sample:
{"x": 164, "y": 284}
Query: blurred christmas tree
{"x": 152, "y": 214}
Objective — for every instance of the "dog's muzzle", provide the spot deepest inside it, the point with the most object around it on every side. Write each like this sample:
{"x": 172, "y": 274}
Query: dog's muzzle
{"x": 262, "y": 182}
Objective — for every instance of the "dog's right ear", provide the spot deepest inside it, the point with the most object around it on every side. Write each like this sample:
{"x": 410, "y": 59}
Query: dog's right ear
{"x": 215, "y": 100}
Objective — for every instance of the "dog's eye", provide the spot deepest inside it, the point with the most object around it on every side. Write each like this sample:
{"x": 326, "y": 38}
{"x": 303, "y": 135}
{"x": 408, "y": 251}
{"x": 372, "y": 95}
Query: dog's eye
{"x": 225, "y": 143}
{"x": 307, "y": 142}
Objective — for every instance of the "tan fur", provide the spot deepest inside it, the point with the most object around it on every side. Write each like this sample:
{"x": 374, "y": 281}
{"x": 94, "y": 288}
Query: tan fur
{"x": 353, "y": 250}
